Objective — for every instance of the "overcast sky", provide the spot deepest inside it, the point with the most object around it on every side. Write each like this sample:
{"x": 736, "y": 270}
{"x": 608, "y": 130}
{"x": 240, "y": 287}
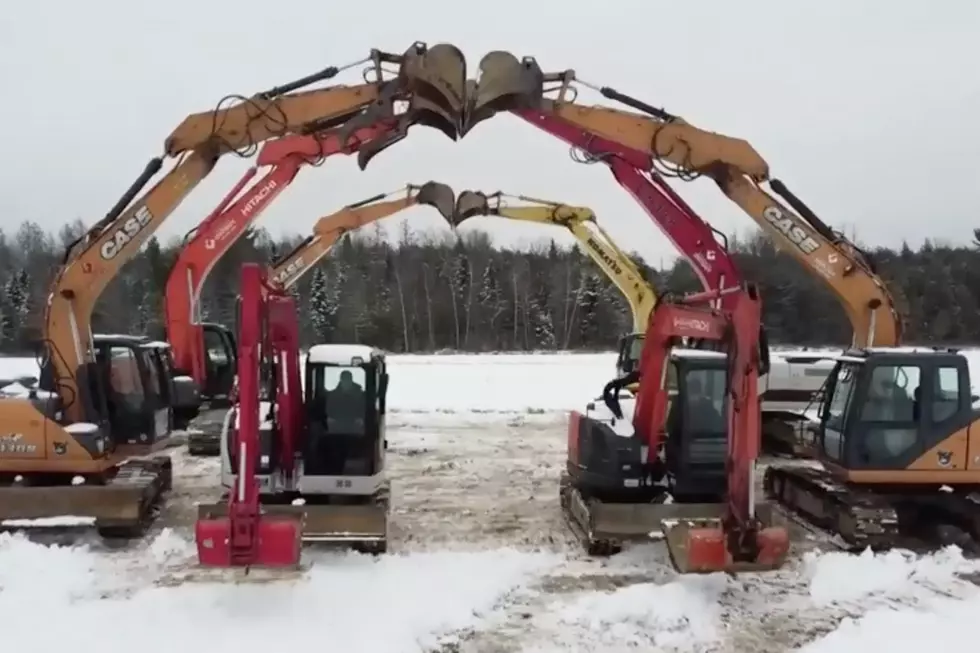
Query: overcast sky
{"x": 867, "y": 109}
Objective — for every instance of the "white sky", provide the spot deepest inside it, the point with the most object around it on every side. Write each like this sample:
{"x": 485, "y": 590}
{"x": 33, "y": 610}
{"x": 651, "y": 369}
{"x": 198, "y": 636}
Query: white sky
{"x": 867, "y": 109}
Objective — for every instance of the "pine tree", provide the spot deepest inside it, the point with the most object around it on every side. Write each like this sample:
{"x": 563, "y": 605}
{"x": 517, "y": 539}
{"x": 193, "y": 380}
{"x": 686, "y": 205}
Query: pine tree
{"x": 588, "y": 299}
{"x": 321, "y": 316}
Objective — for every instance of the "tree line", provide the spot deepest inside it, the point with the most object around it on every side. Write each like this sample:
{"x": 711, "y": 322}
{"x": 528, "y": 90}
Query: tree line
{"x": 428, "y": 292}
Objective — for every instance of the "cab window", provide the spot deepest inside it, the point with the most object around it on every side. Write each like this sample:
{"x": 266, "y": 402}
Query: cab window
{"x": 215, "y": 346}
{"x": 891, "y": 413}
{"x": 704, "y": 397}
{"x": 946, "y": 400}
{"x": 153, "y": 373}
{"x": 124, "y": 378}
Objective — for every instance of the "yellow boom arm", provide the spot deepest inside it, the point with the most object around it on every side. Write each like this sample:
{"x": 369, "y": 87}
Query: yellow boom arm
{"x": 581, "y": 221}
{"x": 331, "y": 228}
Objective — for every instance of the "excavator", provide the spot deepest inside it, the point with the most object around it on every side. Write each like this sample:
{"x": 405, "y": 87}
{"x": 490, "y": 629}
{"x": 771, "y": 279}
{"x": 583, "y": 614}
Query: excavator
{"x": 308, "y": 466}
{"x": 105, "y": 417}
{"x": 205, "y": 351}
{"x": 900, "y": 456}
{"x": 616, "y": 487}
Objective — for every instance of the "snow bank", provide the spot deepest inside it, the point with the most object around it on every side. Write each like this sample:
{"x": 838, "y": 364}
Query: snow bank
{"x": 347, "y": 602}
{"x": 898, "y": 601}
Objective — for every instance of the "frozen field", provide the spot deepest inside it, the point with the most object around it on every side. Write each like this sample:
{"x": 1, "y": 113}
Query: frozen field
{"x": 480, "y": 558}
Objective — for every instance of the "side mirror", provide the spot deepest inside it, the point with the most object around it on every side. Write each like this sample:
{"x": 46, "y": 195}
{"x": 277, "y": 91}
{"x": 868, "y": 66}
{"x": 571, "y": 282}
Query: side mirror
{"x": 590, "y": 406}
{"x": 974, "y": 398}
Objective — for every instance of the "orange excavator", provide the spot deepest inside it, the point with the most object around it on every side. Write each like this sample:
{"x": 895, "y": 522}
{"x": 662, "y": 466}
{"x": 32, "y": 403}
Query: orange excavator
{"x": 82, "y": 449}
{"x": 614, "y": 487}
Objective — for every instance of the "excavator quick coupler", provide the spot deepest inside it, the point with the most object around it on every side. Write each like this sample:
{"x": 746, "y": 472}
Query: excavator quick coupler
{"x": 439, "y": 196}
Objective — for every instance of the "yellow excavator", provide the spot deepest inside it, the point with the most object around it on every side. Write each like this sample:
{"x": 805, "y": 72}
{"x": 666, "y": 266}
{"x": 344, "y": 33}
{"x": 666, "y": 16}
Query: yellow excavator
{"x": 581, "y": 222}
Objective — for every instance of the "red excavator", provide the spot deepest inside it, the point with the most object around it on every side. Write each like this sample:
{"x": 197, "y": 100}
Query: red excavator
{"x": 244, "y": 535}
{"x": 204, "y": 350}
{"x": 614, "y": 487}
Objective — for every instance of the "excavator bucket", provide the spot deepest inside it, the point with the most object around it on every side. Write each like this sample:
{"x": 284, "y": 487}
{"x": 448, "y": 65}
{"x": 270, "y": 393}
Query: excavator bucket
{"x": 437, "y": 78}
{"x": 702, "y": 548}
{"x": 469, "y": 203}
{"x": 439, "y": 196}
{"x": 505, "y": 83}
{"x": 371, "y": 149}
{"x": 277, "y": 539}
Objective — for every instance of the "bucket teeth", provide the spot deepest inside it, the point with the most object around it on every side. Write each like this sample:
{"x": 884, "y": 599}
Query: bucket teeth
{"x": 468, "y": 204}
{"x": 437, "y": 75}
{"x": 504, "y": 83}
{"x": 440, "y": 196}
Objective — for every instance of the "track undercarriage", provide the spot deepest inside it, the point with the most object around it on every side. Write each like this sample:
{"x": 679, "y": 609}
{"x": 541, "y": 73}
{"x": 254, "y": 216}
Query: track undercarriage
{"x": 123, "y": 502}
{"x": 911, "y": 517}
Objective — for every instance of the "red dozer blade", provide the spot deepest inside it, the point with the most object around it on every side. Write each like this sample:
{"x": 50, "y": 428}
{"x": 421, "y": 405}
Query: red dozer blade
{"x": 703, "y": 549}
{"x": 275, "y": 542}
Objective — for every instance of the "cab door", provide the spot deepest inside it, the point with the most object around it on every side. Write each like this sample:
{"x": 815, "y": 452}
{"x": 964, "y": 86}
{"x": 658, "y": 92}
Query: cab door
{"x": 157, "y": 413}
{"x": 125, "y": 395}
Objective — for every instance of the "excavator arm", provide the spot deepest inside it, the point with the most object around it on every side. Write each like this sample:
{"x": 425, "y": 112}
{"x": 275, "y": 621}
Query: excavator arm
{"x": 581, "y": 222}
{"x": 331, "y": 228}
{"x": 679, "y": 149}
{"x": 199, "y": 141}
{"x": 685, "y": 151}
{"x": 208, "y": 242}
{"x": 742, "y": 543}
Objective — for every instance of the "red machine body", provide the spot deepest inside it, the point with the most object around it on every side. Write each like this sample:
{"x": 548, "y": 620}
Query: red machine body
{"x": 633, "y": 170}
{"x": 245, "y": 536}
{"x": 741, "y": 542}
{"x": 208, "y": 242}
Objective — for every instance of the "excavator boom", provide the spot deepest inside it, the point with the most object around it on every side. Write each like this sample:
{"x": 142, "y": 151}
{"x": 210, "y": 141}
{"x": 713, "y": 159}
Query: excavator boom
{"x": 207, "y": 243}
{"x": 679, "y": 149}
{"x": 331, "y": 228}
{"x": 581, "y": 222}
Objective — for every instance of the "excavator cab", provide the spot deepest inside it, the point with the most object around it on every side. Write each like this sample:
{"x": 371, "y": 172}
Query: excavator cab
{"x": 899, "y": 438}
{"x": 898, "y": 410}
{"x": 129, "y": 391}
{"x": 221, "y": 359}
{"x": 183, "y": 394}
{"x": 697, "y": 433}
{"x": 346, "y": 387}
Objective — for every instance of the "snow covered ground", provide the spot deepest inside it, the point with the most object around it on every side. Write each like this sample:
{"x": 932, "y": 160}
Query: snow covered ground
{"x": 481, "y": 560}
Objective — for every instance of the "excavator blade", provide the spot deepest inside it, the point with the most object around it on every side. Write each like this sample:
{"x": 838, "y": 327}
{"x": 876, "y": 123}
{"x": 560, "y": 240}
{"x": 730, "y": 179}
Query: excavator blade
{"x": 277, "y": 539}
{"x": 439, "y": 196}
{"x": 702, "y": 548}
{"x": 437, "y": 79}
{"x": 505, "y": 83}
{"x": 468, "y": 204}
{"x": 362, "y": 525}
